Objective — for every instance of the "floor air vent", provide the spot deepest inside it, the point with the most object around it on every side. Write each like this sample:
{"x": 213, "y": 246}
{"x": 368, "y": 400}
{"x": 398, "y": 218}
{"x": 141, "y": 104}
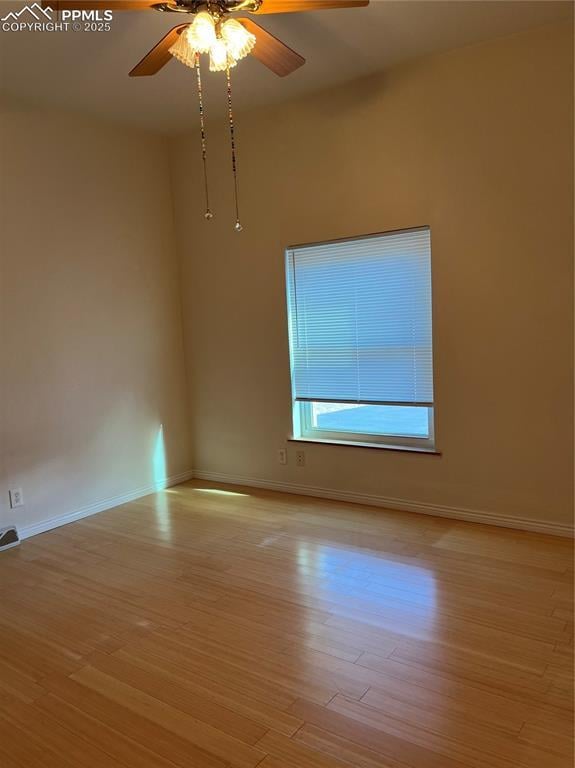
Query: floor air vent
{"x": 8, "y": 538}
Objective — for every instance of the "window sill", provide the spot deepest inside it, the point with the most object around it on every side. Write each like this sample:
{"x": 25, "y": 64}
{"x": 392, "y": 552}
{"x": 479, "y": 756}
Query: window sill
{"x": 378, "y": 446}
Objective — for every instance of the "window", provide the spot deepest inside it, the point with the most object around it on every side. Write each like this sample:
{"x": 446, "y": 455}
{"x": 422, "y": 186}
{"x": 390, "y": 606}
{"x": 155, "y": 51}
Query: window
{"x": 359, "y": 315}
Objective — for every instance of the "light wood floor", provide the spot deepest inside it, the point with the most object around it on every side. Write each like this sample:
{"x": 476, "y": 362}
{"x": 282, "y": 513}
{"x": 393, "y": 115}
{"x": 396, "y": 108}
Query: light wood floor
{"x": 202, "y": 628}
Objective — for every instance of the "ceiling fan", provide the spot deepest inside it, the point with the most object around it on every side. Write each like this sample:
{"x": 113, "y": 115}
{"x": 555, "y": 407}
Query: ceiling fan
{"x": 215, "y": 30}
{"x": 264, "y": 46}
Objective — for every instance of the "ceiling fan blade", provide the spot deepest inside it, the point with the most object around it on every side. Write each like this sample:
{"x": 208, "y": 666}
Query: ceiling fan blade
{"x": 296, "y": 6}
{"x": 271, "y": 51}
{"x": 98, "y": 5}
{"x": 159, "y": 56}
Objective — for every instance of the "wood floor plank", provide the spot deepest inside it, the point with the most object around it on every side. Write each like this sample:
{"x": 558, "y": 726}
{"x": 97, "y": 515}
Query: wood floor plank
{"x": 227, "y": 627}
{"x": 392, "y": 745}
{"x": 23, "y": 750}
{"x": 505, "y": 707}
{"x": 213, "y": 741}
{"x": 263, "y": 712}
{"x": 334, "y": 745}
{"x": 558, "y": 743}
{"x": 126, "y": 722}
{"x": 295, "y": 754}
{"x": 491, "y": 673}
{"x": 124, "y": 750}
{"x": 176, "y": 696}
{"x": 474, "y": 746}
{"x": 194, "y": 665}
{"x": 53, "y": 737}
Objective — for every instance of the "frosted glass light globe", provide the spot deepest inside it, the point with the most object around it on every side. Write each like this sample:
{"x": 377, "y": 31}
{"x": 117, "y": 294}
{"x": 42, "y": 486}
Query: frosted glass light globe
{"x": 182, "y": 51}
{"x": 201, "y": 33}
{"x": 237, "y": 38}
{"x": 220, "y": 57}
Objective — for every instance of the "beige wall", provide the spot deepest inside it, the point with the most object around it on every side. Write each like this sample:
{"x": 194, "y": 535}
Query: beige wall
{"x": 476, "y": 143}
{"x": 91, "y": 334}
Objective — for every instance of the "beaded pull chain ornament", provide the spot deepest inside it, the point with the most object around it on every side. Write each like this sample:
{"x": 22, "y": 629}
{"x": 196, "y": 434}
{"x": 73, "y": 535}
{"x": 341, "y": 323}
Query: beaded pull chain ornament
{"x": 195, "y": 62}
{"x": 238, "y": 225}
{"x": 208, "y": 214}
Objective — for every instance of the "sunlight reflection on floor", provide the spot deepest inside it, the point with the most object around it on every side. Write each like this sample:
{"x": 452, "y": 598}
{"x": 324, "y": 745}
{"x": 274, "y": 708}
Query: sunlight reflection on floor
{"x": 379, "y": 592}
{"x": 220, "y": 493}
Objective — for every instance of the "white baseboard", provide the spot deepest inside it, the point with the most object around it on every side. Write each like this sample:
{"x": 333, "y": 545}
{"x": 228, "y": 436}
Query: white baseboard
{"x": 100, "y": 506}
{"x": 438, "y": 510}
{"x": 455, "y": 513}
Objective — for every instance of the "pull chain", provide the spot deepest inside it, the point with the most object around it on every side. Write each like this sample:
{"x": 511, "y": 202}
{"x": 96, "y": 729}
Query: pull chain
{"x": 238, "y": 226}
{"x": 208, "y": 214}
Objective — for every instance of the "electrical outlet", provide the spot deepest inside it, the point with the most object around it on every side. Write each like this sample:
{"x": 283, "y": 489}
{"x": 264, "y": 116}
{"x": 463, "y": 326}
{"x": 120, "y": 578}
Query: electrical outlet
{"x": 282, "y": 456}
{"x": 16, "y": 498}
{"x": 300, "y": 458}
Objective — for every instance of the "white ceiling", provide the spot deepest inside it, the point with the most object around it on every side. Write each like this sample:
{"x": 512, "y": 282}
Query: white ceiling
{"x": 88, "y": 71}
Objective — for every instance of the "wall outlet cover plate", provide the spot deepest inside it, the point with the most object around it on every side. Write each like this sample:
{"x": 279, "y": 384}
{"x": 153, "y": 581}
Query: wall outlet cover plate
{"x": 16, "y": 497}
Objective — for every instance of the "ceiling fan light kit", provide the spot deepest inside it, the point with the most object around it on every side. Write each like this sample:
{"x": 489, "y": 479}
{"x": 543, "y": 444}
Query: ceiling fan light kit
{"x": 225, "y": 39}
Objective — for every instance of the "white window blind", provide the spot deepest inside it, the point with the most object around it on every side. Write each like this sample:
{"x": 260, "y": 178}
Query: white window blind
{"x": 360, "y": 319}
